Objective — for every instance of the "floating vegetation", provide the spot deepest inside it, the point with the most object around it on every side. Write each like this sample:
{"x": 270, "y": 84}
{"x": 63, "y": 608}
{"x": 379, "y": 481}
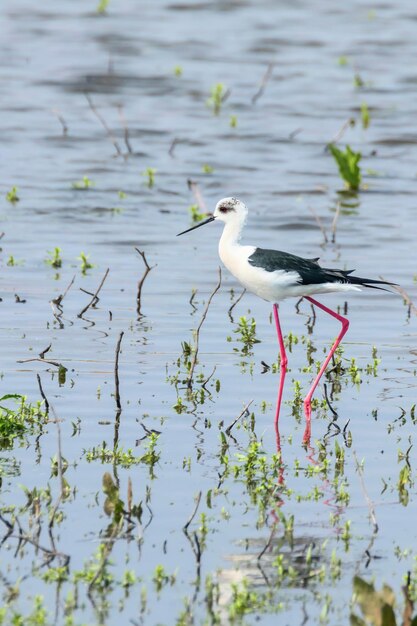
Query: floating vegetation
{"x": 348, "y": 164}
{"x": 218, "y": 94}
{"x": 365, "y": 116}
{"x": 196, "y": 214}
{"x": 358, "y": 81}
{"x": 55, "y": 258}
{"x": 25, "y": 418}
{"x": 102, "y": 6}
{"x": 12, "y": 195}
{"x": 125, "y": 458}
{"x": 246, "y": 331}
{"x": 12, "y": 261}
{"x": 85, "y": 263}
{"x": 83, "y": 184}
{"x": 149, "y": 174}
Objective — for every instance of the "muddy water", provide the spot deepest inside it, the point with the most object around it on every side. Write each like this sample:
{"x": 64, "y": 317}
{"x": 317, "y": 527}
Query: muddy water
{"x": 274, "y": 159}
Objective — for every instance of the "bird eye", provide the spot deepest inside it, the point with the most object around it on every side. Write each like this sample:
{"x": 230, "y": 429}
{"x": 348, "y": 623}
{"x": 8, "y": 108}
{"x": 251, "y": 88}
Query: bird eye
{"x": 225, "y": 209}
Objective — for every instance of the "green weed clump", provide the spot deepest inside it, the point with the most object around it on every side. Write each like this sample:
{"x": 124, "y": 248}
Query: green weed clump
{"x": 196, "y": 214}
{"x": 149, "y": 174}
{"x": 348, "y": 164}
{"x": 84, "y": 183}
{"x": 55, "y": 259}
{"x": 22, "y": 419}
{"x": 365, "y": 115}
{"x": 102, "y": 6}
{"x": 246, "y": 330}
{"x": 85, "y": 263}
{"x": 11, "y": 196}
{"x": 218, "y": 95}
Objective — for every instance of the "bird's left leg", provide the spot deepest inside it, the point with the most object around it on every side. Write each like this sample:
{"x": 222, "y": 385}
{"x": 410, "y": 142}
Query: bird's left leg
{"x": 283, "y": 363}
{"x": 307, "y": 400}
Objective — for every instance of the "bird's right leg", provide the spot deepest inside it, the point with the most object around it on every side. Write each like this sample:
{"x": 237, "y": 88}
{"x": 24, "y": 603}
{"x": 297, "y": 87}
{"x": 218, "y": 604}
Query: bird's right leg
{"x": 307, "y": 400}
{"x": 283, "y": 362}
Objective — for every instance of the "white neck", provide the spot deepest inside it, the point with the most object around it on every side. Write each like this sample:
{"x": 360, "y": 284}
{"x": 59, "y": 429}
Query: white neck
{"x": 232, "y": 233}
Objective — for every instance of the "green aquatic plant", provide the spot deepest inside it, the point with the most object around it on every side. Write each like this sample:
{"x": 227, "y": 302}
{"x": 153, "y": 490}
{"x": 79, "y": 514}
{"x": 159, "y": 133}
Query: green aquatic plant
{"x": 125, "y": 458}
{"x": 161, "y": 578}
{"x": 247, "y": 331}
{"x": 84, "y": 183}
{"x": 55, "y": 259}
{"x": 217, "y": 96}
{"x": 348, "y": 164}
{"x": 196, "y": 214}
{"x": 358, "y": 81}
{"x": 102, "y": 6}
{"x": 16, "y": 422}
{"x": 365, "y": 115}
{"x": 96, "y": 573}
{"x": 178, "y": 70}
{"x": 11, "y": 261}
{"x": 85, "y": 263}
{"x": 207, "y": 169}
{"x": 149, "y": 174}
{"x": 11, "y": 196}
{"x": 233, "y": 121}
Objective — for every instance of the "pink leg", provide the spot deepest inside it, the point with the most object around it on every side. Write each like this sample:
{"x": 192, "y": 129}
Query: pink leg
{"x": 307, "y": 400}
{"x": 284, "y": 362}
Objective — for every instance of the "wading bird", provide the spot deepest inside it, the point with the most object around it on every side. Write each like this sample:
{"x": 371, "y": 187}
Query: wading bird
{"x": 274, "y": 275}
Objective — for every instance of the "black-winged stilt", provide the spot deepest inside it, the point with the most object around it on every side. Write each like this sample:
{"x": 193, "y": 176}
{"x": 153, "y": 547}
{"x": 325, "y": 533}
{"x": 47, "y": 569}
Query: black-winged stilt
{"x": 274, "y": 275}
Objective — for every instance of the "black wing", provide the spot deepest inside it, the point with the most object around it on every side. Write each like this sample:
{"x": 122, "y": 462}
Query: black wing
{"x": 309, "y": 271}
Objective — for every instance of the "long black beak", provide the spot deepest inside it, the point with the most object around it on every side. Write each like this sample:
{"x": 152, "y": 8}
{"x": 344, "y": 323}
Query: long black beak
{"x": 207, "y": 221}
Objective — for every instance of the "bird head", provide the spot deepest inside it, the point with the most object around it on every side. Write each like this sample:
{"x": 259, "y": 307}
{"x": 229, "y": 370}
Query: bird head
{"x": 228, "y": 210}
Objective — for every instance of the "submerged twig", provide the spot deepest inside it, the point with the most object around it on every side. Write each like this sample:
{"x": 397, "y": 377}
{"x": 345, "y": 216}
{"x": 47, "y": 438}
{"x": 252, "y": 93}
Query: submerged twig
{"x": 197, "y": 332}
{"x": 44, "y": 398}
{"x": 95, "y": 297}
{"x": 172, "y": 147}
{"x": 334, "y": 223}
{"x": 319, "y": 224}
{"x": 193, "y": 295}
{"x": 59, "y": 457}
{"x": 104, "y": 124}
{"x": 148, "y": 268}
{"x": 193, "y": 514}
{"x": 229, "y": 312}
{"x": 116, "y": 372}
{"x": 269, "y": 542}
{"x": 369, "y": 502}
{"x": 125, "y": 129}
{"x": 263, "y": 83}
{"x": 57, "y": 302}
{"x": 294, "y": 133}
{"x": 244, "y": 411}
{"x": 55, "y": 363}
{"x": 411, "y": 306}
{"x": 334, "y": 412}
{"x": 349, "y": 122}
{"x": 198, "y": 196}
{"x": 203, "y": 385}
{"x": 61, "y": 120}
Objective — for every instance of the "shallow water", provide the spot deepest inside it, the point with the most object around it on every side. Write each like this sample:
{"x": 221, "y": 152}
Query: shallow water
{"x": 275, "y": 160}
